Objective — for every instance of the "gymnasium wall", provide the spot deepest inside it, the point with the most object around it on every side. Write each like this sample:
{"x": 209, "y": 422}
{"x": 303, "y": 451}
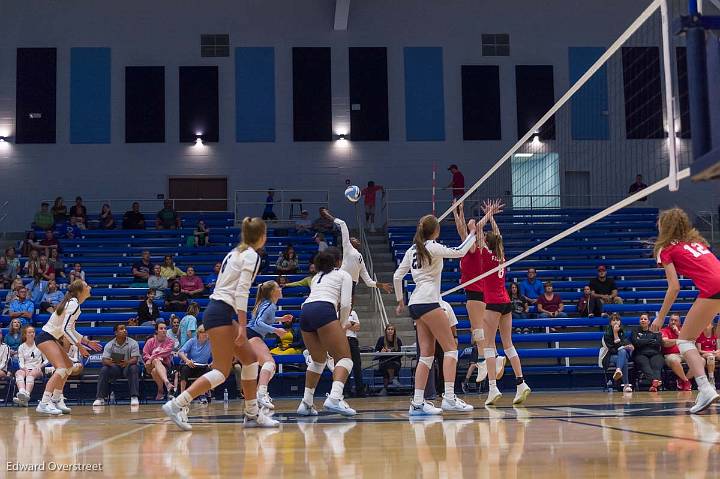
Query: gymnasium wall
{"x": 91, "y": 157}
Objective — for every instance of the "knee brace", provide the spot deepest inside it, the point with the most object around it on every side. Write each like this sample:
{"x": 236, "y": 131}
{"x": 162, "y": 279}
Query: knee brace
{"x": 478, "y": 335}
{"x": 316, "y": 367}
{"x": 29, "y": 379}
{"x": 489, "y": 353}
{"x": 427, "y": 361}
{"x": 62, "y": 372}
{"x": 346, "y": 363}
{"x": 511, "y": 352}
{"x": 685, "y": 345}
{"x": 269, "y": 366}
{"x": 249, "y": 372}
{"x": 215, "y": 378}
{"x": 451, "y": 354}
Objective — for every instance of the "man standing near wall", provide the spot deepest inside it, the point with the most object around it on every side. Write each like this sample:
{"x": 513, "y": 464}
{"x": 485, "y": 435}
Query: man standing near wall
{"x": 458, "y": 182}
{"x": 369, "y": 193}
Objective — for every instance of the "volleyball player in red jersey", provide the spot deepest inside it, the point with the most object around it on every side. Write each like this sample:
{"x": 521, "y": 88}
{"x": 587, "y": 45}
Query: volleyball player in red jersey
{"x": 471, "y": 267}
{"x": 681, "y": 250}
{"x": 498, "y": 315}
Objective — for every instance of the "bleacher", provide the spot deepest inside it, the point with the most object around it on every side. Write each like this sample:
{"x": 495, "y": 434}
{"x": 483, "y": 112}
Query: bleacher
{"x": 621, "y": 241}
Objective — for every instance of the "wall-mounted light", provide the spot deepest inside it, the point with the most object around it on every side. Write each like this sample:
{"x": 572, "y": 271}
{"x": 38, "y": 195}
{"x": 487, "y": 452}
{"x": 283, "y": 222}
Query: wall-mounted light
{"x": 198, "y": 139}
{"x": 341, "y": 137}
{"x": 2, "y": 139}
{"x": 536, "y": 138}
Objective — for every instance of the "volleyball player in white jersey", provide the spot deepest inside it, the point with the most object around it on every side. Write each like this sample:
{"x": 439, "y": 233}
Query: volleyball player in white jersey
{"x": 424, "y": 259}
{"x": 228, "y": 336}
{"x": 62, "y": 324}
{"x": 324, "y": 314}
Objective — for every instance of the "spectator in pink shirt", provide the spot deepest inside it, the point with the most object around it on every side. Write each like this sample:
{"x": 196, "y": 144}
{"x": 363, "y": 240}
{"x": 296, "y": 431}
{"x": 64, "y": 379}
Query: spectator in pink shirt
{"x": 191, "y": 284}
{"x": 157, "y": 355}
{"x": 549, "y": 305}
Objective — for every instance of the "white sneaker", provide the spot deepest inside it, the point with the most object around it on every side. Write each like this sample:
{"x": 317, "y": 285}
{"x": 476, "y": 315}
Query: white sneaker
{"x": 98, "y": 402}
{"x": 261, "y": 420}
{"x": 455, "y": 404}
{"x": 395, "y": 383}
{"x": 23, "y": 396}
{"x": 481, "y": 372}
{"x": 425, "y": 409}
{"x": 61, "y": 405}
{"x": 134, "y": 401}
{"x": 305, "y": 409}
{"x": 176, "y": 413}
{"x": 338, "y": 406}
{"x": 705, "y": 398}
{"x": 264, "y": 400}
{"x": 523, "y": 391}
{"x": 48, "y": 408}
{"x": 500, "y": 367}
{"x": 20, "y": 402}
{"x": 627, "y": 388}
{"x": 493, "y": 395}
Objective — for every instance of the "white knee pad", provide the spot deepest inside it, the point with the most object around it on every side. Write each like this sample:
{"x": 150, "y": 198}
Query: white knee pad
{"x": 269, "y": 366}
{"x": 489, "y": 353}
{"x": 249, "y": 372}
{"x": 62, "y": 372}
{"x": 316, "y": 367}
{"x": 427, "y": 361}
{"x": 685, "y": 345}
{"x": 511, "y": 353}
{"x": 346, "y": 363}
{"x": 215, "y": 378}
{"x": 451, "y": 354}
{"x": 29, "y": 379}
{"x": 478, "y": 335}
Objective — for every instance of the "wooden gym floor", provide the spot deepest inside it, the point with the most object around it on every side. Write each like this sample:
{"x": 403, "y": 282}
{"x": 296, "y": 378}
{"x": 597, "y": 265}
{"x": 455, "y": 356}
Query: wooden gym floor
{"x": 558, "y": 435}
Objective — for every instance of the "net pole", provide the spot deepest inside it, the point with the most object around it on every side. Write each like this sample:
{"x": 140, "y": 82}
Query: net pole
{"x": 575, "y": 228}
{"x": 669, "y": 104}
{"x": 651, "y": 9}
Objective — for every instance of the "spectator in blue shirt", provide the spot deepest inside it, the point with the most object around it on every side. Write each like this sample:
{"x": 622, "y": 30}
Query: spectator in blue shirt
{"x": 196, "y": 357}
{"x": 269, "y": 202}
{"x": 51, "y": 298}
{"x": 188, "y": 324}
{"x": 13, "y": 338}
{"x": 22, "y": 308}
{"x": 211, "y": 279}
{"x": 531, "y": 288}
{"x": 37, "y": 288}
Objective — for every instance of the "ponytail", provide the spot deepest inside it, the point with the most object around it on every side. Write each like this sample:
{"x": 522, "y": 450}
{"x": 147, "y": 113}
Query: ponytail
{"x": 495, "y": 244}
{"x": 264, "y": 292}
{"x": 427, "y": 225}
{"x": 74, "y": 291}
{"x": 252, "y": 231}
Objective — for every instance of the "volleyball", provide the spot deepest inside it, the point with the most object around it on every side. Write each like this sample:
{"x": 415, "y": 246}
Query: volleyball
{"x": 352, "y": 193}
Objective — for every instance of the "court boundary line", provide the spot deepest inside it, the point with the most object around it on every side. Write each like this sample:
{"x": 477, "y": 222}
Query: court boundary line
{"x": 645, "y": 433}
{"x": 106, "y": 441}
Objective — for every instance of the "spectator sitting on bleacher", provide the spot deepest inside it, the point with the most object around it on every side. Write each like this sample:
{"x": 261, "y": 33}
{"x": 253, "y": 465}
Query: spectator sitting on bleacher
{"x": 305, "y": 282}
{"x": 169, "y": 270}
{"x": 157, "y": 355}
{"x": 12, "y": 259}
{"x": 44, "y": 218}
{"x": 519, "y": 302}
{"x": 22, "y": 308}
{"x": 616, "y": 351}
{"x": 71, "y": 230}
{"x": 389, "y": 365}
{"x": 148, "y": 312}
{"x": 59, "y": 211}
{"x": 281, "y": 280}
{"x": 133, "y": 219}
{"x": 6, "y": 277}
{"x": 549, "y": 304}
{"x": 79, "y": 273}
{"x": 29, "y": 244}
{"x": 49, "y": 242}
{"x": 320, "y": 241}
{"x": 588, "y": 305}
{"x": 30, "y": 362}
{"x": 106, "y": 221}
{"x": 303, "y": 225}
{"x": 211, "y": 279}
{"x": 167, "y": 218}
{"x": 672, "y": 353}
{"x": 264, "y": 261}
{"x": 157, "y": 282}
{"x": 604, "y": 288}
{"x": 120, "y": 358}
{"x": 196, "y": 357}
{"x": 201, "y": 234}
{"x": 51, "y": 298}
{"x": 12, "y": 294}
{"x": 4, "y": 358}
{"x": 648, "y": 352}
{"x": 290, "y": 342}
{"x": 13, "y": 338}
{"x": 531, "y": 287}
{"x": 45, "y": 269}
{"x": 56, "y": 263}
{"x": 133, "y": 321}
{"x": 188, "y": 324}
{"x": 174, "y": 331}
{"x": 707, "y": 345}
{"x": 191, "y": 284}
{"x": 37, "y": 289}
{"x": 141, "y": 271}
{"x": 323, "y": 224}
{"x": 176, "y": 300}
{"x": 287, "y": 262}
{"x": 32, "y": 264}
{"x": 79, "y": 212}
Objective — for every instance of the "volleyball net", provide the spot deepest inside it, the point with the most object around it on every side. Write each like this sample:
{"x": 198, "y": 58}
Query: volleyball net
{"x": 624, "y": 113}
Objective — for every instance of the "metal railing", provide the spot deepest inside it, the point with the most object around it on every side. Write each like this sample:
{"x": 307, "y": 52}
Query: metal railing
{"x": 708, "y": 219}
{"x": 287, "y": 203}
{"x": 378, "y": 302}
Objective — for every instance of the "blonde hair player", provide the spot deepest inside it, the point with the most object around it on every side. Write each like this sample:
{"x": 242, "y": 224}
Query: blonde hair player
{"x": 681, "y": 250}
{"x": 424, "y": 260}
{"x": 498, "y": 313}
{"x": 62, "y": 325}
{"x": 228, "y": 337}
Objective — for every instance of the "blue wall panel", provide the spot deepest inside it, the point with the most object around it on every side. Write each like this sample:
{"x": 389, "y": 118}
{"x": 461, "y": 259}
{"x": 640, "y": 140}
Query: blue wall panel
{"x": 254, "y": 94}
{"x": 424, "y": 94}
{"x": 90, "y": 95}
{"x": 589, "y": 106}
